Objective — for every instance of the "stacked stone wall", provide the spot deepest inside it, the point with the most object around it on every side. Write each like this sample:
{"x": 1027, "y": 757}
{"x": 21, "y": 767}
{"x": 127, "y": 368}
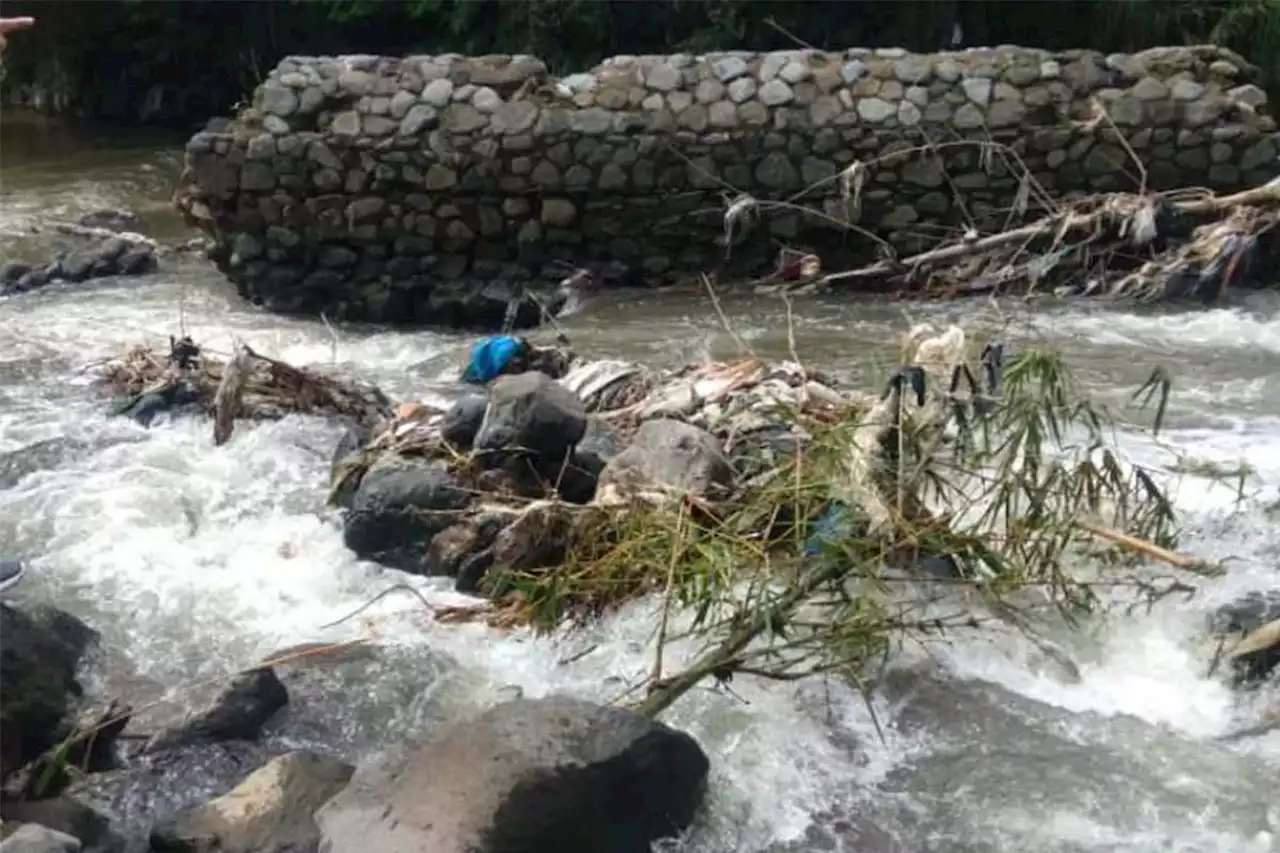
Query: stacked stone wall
{"x": 422, "y": 189}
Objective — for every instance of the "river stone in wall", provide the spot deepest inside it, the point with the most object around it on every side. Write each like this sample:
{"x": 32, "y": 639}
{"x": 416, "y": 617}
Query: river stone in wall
{"x": 430, "y": 189}
{"x": 527, "y": 776}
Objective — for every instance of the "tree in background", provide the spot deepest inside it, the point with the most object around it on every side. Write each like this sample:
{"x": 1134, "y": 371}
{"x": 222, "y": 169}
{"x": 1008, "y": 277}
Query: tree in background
{"x": 181, "y": 61}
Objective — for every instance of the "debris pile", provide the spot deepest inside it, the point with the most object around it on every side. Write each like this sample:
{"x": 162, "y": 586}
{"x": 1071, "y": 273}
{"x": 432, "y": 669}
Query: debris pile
{"x": 1186, "y": 244}
{"x": 248, "y": 385}
{"x": 540, "y": 474}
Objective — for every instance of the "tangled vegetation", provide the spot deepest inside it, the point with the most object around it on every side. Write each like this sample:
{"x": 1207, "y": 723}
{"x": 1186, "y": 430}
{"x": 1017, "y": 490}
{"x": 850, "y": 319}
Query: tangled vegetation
{"x": 970, "y": 492}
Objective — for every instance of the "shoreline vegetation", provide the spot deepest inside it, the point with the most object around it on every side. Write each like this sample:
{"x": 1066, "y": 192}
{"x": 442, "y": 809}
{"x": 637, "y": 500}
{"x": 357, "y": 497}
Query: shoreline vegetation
{"x": 176, "y": 64}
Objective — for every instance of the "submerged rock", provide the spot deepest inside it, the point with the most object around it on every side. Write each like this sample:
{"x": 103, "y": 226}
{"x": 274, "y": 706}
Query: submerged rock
{"x": 352, "y": 701}
{"x": 110, "y": 218}
{"x": 114, "y": 255}
{"x": 1015, "y": 757}
{"x": 269, "y": 812}
{"x": 1241, "y": 618}
{"x": 527, "y": 776}
{"x": 176, "y": 399}
{"x": 238, "y": 713}
{"x": 40, "y": 652}
{"x": 156, "y": 785}
{"x": 399, "y": 507}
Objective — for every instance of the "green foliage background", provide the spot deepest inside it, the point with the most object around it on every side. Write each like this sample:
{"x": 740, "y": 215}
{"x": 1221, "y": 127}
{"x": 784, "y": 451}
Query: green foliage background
{"x": 209, "y": 53}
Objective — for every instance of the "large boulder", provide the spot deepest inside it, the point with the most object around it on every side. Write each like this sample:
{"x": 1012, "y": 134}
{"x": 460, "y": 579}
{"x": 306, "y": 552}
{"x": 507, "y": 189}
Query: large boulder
{"x": 399, "y": 507}
{"x": 527, "y": 776}
{"x": 269, "y": 812}
{"x": 40, "y": 652}
{"x": 667, "y": 455}
{"x": 533, "y": 413}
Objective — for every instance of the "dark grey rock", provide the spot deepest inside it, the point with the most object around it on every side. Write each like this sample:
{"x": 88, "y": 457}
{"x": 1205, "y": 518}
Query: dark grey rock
{"x": 463, "y": 420}
{"x": 238, "y": 713}
{"x": 70, "y": 817}
{"x": 397, "y": 509}
{"x": 177, "y": 399}
{"x": 40, "y": 652}
{"x": 349, "y": 447}
{"x": 599, "y": 444}
{"x": 534, "y": 413}
{"x": 526, "y": 777}
{"x": 113, "y": 219}
{"x": 453, "y": 548}
{"x": 1243, "y": 615}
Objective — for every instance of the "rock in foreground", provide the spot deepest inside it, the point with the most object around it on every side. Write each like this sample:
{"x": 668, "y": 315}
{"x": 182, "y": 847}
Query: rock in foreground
{"x": 40, "y": 651}
{"x": 269, "y": 812}
{"x": 34, "y": 838}
{"x": 528, "y": 776}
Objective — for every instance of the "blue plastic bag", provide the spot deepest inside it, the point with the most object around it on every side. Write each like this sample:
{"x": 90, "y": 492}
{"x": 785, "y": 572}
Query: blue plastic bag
{"x": 490, "y": 356}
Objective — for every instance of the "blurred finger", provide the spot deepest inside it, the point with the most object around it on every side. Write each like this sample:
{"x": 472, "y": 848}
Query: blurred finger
{"x": 11, "y": 24}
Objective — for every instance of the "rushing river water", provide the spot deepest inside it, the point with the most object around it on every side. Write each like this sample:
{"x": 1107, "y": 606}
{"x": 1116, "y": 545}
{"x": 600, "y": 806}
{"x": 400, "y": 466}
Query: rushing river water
{"x": 194, "y": 560}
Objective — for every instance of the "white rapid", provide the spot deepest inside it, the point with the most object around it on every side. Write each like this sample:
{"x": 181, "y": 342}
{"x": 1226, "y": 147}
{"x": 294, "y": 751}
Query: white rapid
{"x": 195, "y": 560}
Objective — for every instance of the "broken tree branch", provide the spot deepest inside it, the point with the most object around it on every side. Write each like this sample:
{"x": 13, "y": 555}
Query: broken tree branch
{"x": 227, "y": 400}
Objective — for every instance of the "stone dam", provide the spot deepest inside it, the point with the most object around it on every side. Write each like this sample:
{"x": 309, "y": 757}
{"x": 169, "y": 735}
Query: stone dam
{"x": 429, "y": 189}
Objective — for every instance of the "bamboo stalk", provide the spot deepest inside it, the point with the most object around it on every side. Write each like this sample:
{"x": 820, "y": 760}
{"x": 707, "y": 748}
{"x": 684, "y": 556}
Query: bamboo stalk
{"x": 1185, "y": 562}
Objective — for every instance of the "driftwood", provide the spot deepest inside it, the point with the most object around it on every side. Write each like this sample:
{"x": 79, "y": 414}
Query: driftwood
{"x": 1146, "y": 247}
{"x": 227, "y": 400}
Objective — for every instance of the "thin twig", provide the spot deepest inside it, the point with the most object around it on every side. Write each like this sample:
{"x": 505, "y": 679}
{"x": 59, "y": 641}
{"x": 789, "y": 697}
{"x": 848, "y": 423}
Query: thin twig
{"x": 676, "y": 552}
{"x": 399, "y": 587}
